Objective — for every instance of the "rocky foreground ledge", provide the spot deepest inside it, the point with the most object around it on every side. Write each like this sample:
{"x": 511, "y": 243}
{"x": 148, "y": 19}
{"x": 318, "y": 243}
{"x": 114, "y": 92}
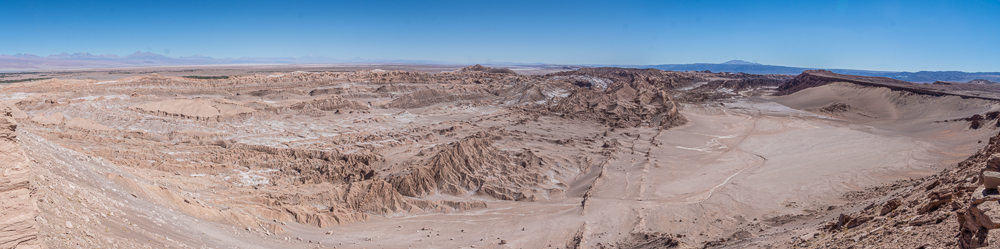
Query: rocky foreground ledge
{"x": 959, "y": 207}
{"x": 17, "y": 210}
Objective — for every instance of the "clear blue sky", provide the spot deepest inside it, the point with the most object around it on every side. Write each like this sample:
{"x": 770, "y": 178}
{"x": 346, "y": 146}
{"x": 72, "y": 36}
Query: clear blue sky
{"x": 878, "y": 35}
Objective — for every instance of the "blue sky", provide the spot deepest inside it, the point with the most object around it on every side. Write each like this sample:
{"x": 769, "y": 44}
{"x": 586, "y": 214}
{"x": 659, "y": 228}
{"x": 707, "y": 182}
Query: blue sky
{"x": 875, "y": 35}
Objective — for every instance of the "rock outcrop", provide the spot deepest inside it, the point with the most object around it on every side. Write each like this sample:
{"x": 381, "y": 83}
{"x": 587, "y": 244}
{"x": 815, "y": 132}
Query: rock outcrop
{"x": 480, "y": 68}
{"x": 330, "y": 103}
{"x": 634, "y": 77}
{"x": 622, "y": 105}
{"x": 198, "y": 109}
{"x": 982, "y": 82}
{"x": 991, "y": 179}
{"x": 473, "y": 166}
{"x": 622, "y": 97}
{"x": 424, "y": 98}
{"x": 18, "y": 228}
{"x": 723, "y": 89}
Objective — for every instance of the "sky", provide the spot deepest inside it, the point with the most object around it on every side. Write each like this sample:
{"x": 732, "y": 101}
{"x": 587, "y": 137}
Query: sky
{"x": 961, "y": 35}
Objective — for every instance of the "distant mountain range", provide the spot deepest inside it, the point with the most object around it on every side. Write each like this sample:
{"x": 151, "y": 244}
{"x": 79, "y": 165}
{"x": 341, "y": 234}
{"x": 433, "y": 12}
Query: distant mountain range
{"x": 755, "y": 68}
{"x": 30, "y": 62}
{"x": 84, "y": 60}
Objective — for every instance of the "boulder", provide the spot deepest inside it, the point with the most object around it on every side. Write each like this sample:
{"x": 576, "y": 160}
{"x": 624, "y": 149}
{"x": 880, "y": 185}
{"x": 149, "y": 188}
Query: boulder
{"x": 991, "y": 179}
{"x": 988, "y": 214}
{"x": 890, "y": 206}
{"x": 993, "y": 163}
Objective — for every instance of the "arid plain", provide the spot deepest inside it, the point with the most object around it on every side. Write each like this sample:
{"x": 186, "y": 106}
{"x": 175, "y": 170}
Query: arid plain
{"x": 427, "y": 156}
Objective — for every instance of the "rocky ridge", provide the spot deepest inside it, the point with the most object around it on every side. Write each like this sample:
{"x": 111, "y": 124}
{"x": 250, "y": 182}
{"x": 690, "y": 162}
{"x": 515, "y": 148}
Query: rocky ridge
{"x": 474, "y": 165}
{"x": 18, "y": 228}
{"x": 814, "y": 78}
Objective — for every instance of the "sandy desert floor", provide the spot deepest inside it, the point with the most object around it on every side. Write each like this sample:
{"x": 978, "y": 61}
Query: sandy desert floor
{"x": 161, "y": 161}
{"x": 736, "y": 168}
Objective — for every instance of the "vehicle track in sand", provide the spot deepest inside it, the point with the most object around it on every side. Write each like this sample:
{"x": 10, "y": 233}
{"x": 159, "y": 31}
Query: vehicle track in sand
{"x": 734, "y": 148}
{"x": 750, "y": 160}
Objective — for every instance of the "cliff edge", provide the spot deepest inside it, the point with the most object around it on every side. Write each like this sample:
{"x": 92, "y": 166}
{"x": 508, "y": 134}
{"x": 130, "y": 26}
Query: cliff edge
{"x": 17, "y": 218}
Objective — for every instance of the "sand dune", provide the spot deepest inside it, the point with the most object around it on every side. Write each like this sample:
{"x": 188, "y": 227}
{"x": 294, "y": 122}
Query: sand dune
{"x": 879, "y": 105}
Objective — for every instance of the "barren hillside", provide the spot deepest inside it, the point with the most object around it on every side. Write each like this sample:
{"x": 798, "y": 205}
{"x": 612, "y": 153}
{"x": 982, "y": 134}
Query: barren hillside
{"x": 482, "y": 157}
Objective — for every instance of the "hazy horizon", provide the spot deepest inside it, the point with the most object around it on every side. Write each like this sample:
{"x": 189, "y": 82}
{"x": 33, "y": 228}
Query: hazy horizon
{"x": 149, "y": 59}
{"x": 879, "y": 35}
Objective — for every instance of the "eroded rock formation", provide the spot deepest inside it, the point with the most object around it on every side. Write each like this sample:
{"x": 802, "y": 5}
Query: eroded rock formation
{"x": 329, "y": 149}
{"x": 18, "y": 228}
{"x": 473, "y": 166}
{"x": 622, "y": 106}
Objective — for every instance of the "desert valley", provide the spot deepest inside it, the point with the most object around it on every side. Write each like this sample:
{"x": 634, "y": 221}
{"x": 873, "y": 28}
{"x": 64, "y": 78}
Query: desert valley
{"x": 428, "y": 156}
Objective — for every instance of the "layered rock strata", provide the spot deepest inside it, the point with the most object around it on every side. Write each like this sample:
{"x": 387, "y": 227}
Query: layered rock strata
{"x": 18, "y": 228}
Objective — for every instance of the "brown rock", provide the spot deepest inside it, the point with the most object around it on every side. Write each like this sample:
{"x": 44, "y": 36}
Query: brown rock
{"x": 935, "y": 203}
{"x": 991, "y": 179}
{"x": 933, "y": 185}
{"x": 971, "y": 234}
{"x": 890, "y": 206}
{"x": 845, "y": 221}
{"x": 993, "y": 163}
{"x": 988, "y": 214}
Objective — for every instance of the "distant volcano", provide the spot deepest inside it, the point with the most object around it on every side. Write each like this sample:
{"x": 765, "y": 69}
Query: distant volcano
{"x": 740, "y": 62}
